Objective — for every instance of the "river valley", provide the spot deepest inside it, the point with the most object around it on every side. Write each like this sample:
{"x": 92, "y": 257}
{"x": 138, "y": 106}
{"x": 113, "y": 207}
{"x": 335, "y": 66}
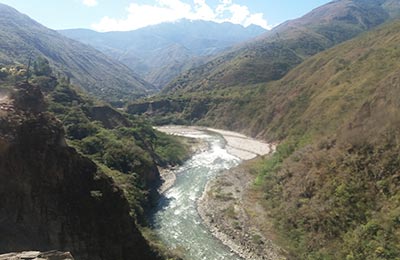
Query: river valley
{"x": 177, "y": 220}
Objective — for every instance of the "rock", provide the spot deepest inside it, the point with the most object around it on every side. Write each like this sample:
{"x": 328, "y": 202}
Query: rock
{"x": 29, "y": 98}
{"x": 36, "y": 255}
{"x": 56, "y": 255}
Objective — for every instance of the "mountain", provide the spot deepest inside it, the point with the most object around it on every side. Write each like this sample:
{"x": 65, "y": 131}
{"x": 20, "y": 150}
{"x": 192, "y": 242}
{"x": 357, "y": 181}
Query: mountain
{"x": 320, "y": 94}
{"x": 333, "y": 186}
{"x": 22, "y": 37}
{"x": 281, "y": 49}
{"x": 200, "y": 95}
{"x": 161, "y": 52}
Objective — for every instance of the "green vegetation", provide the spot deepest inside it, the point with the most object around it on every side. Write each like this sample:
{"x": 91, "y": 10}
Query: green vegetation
{"x": 41, "y": 67}
{"x": 128, "y": 152}
{"x": 337, "y": 200}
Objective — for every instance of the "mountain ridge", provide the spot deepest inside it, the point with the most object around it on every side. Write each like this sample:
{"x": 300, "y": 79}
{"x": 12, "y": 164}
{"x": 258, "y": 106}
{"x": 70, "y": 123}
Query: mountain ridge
{"x": 141, "y": 49}
{"x": 23, "y": 38}
{"x": 273, "y": 54}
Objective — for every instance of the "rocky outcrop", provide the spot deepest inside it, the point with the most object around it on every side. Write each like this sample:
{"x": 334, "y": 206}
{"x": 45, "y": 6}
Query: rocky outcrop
{"x": 36, "y": 255}
{"x": 51, "y": 197}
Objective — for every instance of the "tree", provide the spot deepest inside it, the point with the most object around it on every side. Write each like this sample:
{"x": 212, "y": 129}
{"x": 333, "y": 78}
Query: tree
{"x": 41, "y": 67}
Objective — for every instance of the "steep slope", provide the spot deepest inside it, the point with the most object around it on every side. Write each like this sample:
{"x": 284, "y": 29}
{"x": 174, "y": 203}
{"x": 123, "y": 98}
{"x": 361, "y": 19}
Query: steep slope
{"x": 276, "y": 52}
{"x": 326, "y": 89}
{"x": 53, "y": 197}
{"x": 161, "y": 52}
{"x": 21, "y": 37}
{"x": 345, "y": 185}
{"x": 332, "y": 187}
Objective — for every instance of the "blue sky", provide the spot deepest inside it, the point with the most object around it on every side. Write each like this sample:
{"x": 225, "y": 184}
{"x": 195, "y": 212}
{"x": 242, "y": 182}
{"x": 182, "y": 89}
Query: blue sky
{"x": 106, "y": 15}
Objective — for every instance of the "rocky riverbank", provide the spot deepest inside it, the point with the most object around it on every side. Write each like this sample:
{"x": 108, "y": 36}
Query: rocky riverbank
{"x": 227, "y": 209}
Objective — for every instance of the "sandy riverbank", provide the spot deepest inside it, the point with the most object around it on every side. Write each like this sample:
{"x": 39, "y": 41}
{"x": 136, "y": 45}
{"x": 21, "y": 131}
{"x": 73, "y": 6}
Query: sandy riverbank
{"x": 239, "y": 145}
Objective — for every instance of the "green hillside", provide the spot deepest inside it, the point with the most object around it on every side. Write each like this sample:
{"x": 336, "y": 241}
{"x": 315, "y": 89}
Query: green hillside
{"x": 332, "y": 188}
{"x": 318, "y": 96}
{"x": 276, "y": 52}
{"x": 22, "y": 37}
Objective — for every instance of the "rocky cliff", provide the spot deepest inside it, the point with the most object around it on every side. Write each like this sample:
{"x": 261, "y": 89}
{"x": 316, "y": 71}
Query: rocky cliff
{"x": 51, "y": 197}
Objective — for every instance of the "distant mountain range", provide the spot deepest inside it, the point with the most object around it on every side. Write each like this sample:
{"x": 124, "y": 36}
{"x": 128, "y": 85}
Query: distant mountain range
{"x": 161, "y": 52}
{"x": 22, "y": 37}
{"x": 281, "y": 49}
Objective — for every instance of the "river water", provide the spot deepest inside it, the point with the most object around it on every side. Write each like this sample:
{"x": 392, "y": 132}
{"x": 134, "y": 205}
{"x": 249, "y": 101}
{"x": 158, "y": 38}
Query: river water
{"x": 176, "y": 221}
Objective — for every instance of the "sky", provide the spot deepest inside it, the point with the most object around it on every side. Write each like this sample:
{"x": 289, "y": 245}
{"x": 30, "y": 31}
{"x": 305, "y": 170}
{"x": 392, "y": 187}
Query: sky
{"x": 125, "y": 15}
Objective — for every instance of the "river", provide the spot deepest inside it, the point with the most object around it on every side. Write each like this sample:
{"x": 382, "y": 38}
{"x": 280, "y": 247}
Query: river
{"x": 176, "y": 220}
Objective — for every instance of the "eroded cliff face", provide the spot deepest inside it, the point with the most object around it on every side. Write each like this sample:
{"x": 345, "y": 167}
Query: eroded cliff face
{"x": 51, "y": 197}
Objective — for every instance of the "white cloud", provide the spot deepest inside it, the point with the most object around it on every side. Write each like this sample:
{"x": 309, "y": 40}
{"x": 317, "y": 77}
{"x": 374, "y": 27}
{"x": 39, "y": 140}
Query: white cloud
{"x": 202, "y": 11}
{"x": 90, "y": 3}
{"x": 141, "y": 15}
{"x": 257, "y": 19}
{"x": 239, "y": 13}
